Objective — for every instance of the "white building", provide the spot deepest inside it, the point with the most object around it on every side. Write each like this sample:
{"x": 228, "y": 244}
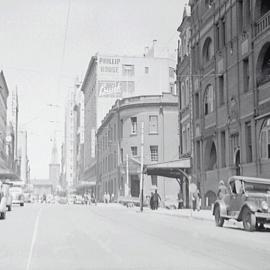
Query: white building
{"x": 70, "y": 155}
{"x": 112, "y": 77}
{"x": 23, "y": 157}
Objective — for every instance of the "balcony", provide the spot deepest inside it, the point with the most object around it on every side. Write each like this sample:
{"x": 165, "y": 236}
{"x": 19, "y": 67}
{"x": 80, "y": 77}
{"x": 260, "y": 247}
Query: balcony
{"x": 262, "y": 24}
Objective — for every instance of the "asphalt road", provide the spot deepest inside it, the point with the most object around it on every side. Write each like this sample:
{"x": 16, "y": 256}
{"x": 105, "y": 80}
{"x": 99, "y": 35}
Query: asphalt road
{"x": 113, "y": 237}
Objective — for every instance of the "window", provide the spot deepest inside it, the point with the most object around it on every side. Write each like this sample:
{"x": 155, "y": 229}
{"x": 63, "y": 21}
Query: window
{"x": 114, "y": 159}
{"x": 128, "y": 70}
{"x": 154, "y": 180}
{"x": 154, "y": 152}
{"x": 248, "y": 142}
{"x": 246, "y": 75}
{"x": 223, "y": 32}
{"x": 187, "y": 92}
{"x": 197, "y": 106}
{"x": 208, "y": 50}
{"x": 171, "y": 72}
{"x": 217, "y": 36}
{"x": 240, "y": 14}
{"x": 146, "y": 70}
{"x": 134, "y": 151}
{"x": 172, "y": 88}
{"x": 221, "y": 90}
{"x": 153, "y": 124}
{"x": 121, "y": 127}
{"x": 265, "y": 140}
{"x": 223, "y": 149}
{"x": 133, "y": 125}
{"x": 183, "y": 95}
{"x": 188, "y": 139}
{"x": 209, "y": 100}
{"x": 198, "y": 155}
{"x": 122, "y": 155}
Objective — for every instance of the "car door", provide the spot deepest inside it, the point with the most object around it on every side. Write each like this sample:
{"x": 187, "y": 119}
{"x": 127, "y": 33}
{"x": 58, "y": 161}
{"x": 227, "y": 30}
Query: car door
{"x": 236, "y": 197}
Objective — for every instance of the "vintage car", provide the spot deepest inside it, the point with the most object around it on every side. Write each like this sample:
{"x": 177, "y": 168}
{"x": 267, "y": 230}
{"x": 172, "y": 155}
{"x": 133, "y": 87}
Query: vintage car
{"x": 247, "y": 200}
{"x": 17, "y": 194}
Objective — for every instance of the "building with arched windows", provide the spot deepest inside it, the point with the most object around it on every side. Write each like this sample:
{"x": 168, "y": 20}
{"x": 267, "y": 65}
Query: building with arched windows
{"x": 230, "y": 90}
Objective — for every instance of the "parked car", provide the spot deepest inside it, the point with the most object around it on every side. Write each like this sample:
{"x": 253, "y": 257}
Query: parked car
{"x": 247, "y": 200}
{"x": 62, "y": 200}
{"x": 78, "y": 199}
{"x": 17, "y": 195}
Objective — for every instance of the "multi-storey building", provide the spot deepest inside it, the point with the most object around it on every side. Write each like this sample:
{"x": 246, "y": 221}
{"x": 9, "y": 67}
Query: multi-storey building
{"x": 119, "y": 141}
{"x": 111, "y": 77}
{"x": 70, "y": 138}
{"x": 22, "y": 155}
{"x": 230, "y": 71}
{"x": 3, "y": 119}
{"x": 54, "y": 167}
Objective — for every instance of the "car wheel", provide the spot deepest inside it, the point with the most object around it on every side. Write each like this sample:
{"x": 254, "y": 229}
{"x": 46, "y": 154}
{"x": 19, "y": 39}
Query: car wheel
{"x": 218, "y": 219}
{"x": 21, "y": 204}
{"x": 9, "y": 208}
{"x": 3, "y": 215}
{"x": 249, "y": 220}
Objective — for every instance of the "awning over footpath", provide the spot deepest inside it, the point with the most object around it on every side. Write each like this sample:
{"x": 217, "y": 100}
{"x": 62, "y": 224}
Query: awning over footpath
{"x": 8, "y": 174}
{"x": 172, "y": 169}
{"x": 83, "y": 185}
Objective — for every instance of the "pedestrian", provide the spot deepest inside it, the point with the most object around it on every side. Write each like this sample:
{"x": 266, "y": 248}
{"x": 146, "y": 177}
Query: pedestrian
{"x": 180, "y": 200}
{"x": 105, "y": 197}
{"x": 112, "y": 198}
{"x": 156, "y": 199}
{"x": 152, "y": 201}
{"x": 194, "y": 199}
{"x": 222, "y": 190}
{"x": 198, "y": 201}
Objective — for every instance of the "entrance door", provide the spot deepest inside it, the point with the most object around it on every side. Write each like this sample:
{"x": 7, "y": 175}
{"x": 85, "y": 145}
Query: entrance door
{"x": 237, "y": 162}
{"x": 135, "y": 185}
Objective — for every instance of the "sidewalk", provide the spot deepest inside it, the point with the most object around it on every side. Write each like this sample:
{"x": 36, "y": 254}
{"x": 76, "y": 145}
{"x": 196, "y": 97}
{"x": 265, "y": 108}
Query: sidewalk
{"x": 185, "y": 213}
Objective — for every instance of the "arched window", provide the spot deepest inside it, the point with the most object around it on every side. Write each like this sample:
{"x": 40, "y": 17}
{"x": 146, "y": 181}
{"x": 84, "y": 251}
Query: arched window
{"x": 210, "y": 155}
{"x": 265, "y": 140}
{"x": 209, "y": 100}
{"x": 263, "y": 65}
{"x": 208, "y": 50}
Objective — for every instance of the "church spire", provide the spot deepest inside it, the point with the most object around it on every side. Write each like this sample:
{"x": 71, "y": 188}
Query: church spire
{"x": 54, "y": 156}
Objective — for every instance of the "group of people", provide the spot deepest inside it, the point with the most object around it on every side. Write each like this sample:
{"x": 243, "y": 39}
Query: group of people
{"x": 107, "y": 197}
{"x": 154, "y": 200}
{"x": 89, "y": 198}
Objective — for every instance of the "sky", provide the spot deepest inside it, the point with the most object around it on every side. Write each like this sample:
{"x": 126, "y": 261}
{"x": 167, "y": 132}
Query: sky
{"x": 46, "y": 44}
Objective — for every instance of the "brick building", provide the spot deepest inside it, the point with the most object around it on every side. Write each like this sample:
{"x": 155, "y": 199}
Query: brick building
{"x": 119, "y": 145}
{"x": 230, "y": 73}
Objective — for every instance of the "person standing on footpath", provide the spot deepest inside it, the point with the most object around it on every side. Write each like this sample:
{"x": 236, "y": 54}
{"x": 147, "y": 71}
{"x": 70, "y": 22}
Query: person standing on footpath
{"x": 156, "y": 199}
{"x": 222, "y": 190}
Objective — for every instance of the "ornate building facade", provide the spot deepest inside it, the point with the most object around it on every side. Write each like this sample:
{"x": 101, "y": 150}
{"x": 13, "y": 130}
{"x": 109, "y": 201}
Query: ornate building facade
{"x": 230, "y": 71}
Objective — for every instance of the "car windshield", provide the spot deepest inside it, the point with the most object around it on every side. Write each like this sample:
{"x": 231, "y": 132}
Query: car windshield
{"x": 257, "y": 187}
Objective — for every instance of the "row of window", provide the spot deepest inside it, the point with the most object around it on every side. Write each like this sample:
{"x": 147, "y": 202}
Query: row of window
{"x": 211, "y": 152}
{"x": 209, "y": 94}
{"x": 129, "y": 70}
{"x": 153, "y": 125}
{"x": 134, "y": 152}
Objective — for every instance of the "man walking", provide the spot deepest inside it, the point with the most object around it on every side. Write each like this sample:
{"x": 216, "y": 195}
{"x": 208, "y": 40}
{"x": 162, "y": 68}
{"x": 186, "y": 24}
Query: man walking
{"x": 156, "y": 199}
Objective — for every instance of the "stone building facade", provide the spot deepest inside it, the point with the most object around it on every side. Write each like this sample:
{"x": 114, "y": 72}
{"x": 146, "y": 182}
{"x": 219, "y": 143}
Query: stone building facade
{"x": 119, "y": 145}
{"x": 230, "y": 56}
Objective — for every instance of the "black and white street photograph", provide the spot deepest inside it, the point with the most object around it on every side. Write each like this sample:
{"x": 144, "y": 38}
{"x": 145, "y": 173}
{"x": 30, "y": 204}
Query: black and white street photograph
{"x": 135, "y": 134}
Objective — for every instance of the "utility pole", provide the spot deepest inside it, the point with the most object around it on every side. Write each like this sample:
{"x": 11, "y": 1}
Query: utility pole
{"x": 142, "y": 156}
{"x": 126, "y": 185}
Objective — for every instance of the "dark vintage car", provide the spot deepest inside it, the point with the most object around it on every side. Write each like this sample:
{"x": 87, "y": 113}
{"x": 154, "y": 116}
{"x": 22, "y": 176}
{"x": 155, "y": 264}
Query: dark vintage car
{"x": 247, "y": 200}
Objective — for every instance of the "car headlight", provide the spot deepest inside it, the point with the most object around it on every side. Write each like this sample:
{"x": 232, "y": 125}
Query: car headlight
{"x": 264, "y": 205}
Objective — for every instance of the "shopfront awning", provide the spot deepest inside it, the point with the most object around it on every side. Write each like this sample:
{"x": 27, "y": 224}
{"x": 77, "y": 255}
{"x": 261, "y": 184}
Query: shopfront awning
{"x": 8, "y": 174}
{"x": 172, "y": 169}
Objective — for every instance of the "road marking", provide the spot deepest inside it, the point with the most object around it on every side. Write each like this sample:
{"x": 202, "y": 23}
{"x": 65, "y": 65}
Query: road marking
{"x": 34, "y": 237}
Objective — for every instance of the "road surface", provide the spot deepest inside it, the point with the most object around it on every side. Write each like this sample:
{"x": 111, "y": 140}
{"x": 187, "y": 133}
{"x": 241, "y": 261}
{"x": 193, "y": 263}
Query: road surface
{"x": 44, "y": 236}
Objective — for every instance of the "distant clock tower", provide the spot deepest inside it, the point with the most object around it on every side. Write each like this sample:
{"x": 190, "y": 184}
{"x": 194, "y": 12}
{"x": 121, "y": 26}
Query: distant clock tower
{"x": 54, "y": 167}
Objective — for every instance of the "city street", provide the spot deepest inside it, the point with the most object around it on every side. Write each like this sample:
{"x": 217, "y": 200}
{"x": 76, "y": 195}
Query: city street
{"x": 53, "y": 236}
